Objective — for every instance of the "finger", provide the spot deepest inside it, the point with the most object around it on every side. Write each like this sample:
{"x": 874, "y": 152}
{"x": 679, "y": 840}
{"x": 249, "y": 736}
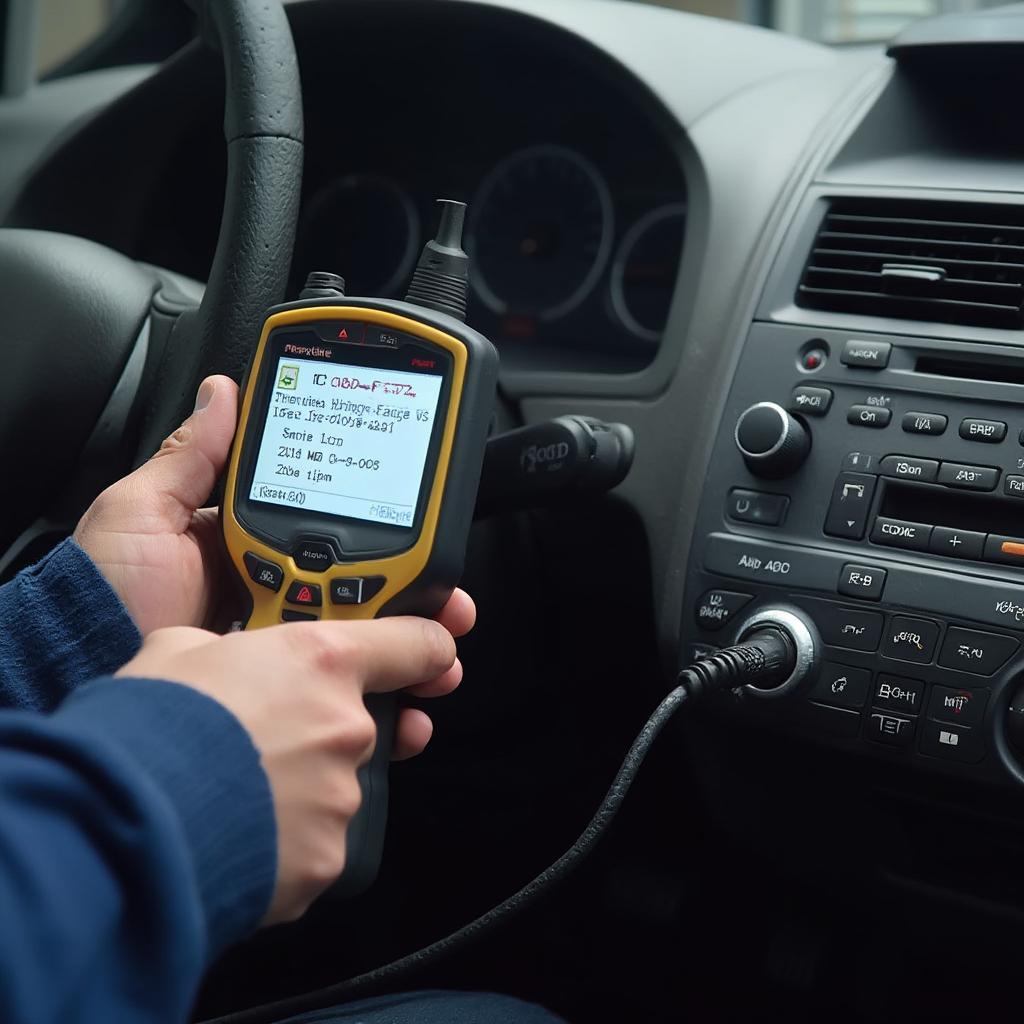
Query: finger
{"x": 220, "y": 602}
{"x": 381, "y": 654}
{"x": 412, "y": 733}
{"x": 441, "y": 685}
{"x": 458, "y": 616}
{"x": 188, "y": 463}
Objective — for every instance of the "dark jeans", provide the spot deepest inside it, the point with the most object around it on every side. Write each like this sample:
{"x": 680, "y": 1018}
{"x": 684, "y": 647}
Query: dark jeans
{"x": 433, "y": 1008}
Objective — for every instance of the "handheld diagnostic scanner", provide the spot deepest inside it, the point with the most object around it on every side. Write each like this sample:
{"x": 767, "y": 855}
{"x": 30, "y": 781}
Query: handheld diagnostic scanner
{"x": 354, "y": 473}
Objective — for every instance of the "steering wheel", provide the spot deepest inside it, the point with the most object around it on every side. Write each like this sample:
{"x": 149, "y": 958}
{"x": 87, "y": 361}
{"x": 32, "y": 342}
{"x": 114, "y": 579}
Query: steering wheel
{"x": 101, "y": 355}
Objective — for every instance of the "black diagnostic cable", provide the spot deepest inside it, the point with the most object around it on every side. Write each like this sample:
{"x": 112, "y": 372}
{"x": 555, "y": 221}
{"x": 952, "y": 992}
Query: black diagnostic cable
{"x": 764, "y": 660}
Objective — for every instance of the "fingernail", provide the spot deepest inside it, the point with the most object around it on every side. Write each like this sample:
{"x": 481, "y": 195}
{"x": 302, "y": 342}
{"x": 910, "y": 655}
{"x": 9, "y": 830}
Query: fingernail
{"x": 205, "y": 394}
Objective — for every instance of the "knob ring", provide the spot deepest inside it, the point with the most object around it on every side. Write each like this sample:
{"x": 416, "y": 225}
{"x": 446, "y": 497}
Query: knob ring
{"x": 783, "y": 422}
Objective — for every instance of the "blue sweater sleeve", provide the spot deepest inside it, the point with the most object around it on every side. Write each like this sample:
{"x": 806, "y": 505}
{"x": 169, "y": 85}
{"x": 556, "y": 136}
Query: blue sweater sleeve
{"x": 62, "y": 625}
{"x": 136, "y": 840}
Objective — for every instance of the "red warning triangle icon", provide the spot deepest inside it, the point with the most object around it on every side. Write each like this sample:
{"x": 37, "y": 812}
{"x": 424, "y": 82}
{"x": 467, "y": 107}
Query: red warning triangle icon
{"x": 343, "y": 334}
{"x": 304, "y": 596}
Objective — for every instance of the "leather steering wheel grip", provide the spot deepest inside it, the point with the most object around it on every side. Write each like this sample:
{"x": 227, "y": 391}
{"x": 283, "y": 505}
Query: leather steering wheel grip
{"x": 263, "y": 129}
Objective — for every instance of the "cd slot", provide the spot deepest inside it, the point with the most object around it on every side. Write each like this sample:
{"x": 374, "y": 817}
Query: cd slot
{"x": 974, "y": 368}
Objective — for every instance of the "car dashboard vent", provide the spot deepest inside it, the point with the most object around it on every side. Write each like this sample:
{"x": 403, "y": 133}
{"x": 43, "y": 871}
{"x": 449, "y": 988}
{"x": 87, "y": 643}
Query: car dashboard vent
{"x": 960, "y": 263}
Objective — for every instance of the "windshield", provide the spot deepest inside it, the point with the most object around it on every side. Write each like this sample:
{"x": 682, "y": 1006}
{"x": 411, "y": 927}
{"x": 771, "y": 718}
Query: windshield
{"x": 829, "y": 21}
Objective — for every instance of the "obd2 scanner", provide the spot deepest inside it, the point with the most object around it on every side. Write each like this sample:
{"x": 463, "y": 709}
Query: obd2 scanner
{"x": 353, "y": 477}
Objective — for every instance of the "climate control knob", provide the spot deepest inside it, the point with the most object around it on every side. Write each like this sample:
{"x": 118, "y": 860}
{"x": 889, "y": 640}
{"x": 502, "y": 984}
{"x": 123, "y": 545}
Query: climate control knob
{"x": 773, "y": 444}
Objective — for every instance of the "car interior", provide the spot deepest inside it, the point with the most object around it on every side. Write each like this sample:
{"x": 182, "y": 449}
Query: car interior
{"x": 789, "y": 278}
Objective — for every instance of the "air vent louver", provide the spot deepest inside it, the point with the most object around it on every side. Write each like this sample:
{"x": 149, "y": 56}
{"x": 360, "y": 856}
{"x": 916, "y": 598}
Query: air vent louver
{"x": 960, "y": 263}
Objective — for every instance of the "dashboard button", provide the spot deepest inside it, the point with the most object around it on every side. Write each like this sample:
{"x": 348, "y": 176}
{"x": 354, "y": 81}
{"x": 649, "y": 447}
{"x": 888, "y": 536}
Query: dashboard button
{"x": 970, "y": 650}
{"x": 1014, "y": 486}
{"x": 909, "y": 639}
{"x": 951, "y": 743}
{"x": 717, "y": 607}
{"x": 898, "y": 533}
{"x": 970, "y": 478}
{"x": 810, "y": 401}
{"x": 844, "y": 686}
{"x": 265, "y": 573}
{"x": 864, "y": 581}
{"x": 895, "y": 693}
{"x": 1008, "y": 550}
{"x": 313, "y": 555}
{"x": 868, "y": 416}
{"x": 873, "y": 355}
{"x": 957, "y": 543}
{"x": 924, "y": 423}
{"x": 904, "y": 467}
{"x": 961, "y": 707}
{"x": 895, "y": 730}
{"x": 850, "y": 504}
{"x": 858, "y": 462}
{"x": 852, "y": 628}
{"x": 814, "y": 359}
{"x": 988, "y": 431}
{"x": 756, "y": 507}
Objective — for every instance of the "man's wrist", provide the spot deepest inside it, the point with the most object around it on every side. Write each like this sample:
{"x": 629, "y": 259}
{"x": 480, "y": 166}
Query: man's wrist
{"x": 66, "y": 625}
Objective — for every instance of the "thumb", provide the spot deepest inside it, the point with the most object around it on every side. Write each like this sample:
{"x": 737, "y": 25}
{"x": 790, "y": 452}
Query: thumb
{"x": 189, "y": 461}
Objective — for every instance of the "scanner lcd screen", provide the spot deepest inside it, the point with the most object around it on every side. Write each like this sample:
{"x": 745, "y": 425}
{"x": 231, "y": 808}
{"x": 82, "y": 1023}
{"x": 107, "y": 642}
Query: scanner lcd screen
{"x": 346, "y": 440}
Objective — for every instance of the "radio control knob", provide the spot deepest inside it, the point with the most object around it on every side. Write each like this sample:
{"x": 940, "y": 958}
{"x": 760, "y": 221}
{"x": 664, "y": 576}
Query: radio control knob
{"x": 773, "y": 444}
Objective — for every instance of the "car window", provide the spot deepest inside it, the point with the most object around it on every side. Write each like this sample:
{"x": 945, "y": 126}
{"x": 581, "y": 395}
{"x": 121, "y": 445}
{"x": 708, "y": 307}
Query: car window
{"x": 829, "y": 21}
{"x": 63, "y": 28}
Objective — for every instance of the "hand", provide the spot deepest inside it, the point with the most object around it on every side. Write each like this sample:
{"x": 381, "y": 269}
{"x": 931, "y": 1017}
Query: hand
{"x": 147, "y": 534}
{"x": 298, "y": 690}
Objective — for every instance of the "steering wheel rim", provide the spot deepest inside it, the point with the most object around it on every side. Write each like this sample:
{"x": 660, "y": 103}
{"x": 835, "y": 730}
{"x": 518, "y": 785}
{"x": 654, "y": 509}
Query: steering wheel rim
{"x": 263, "y": 132}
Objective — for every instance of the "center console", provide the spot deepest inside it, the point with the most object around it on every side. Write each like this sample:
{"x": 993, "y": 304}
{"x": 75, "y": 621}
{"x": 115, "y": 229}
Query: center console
{"x": 872, "y": 486}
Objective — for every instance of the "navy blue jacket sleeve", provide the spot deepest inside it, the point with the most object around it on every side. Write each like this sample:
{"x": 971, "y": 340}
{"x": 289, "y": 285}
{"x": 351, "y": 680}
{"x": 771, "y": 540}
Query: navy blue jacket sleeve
{"x": 136, "y": 841}
{"x": 61, "y": 624}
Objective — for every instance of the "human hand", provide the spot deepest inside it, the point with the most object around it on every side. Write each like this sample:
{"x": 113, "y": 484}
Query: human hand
{"x": 147, "y": 534}
{"x": 298, "y": 691}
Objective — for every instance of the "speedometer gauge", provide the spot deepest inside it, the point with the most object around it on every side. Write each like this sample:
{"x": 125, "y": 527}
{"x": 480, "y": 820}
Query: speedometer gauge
{"x": 645, "y": 269}
{"x": 540, "y": 233}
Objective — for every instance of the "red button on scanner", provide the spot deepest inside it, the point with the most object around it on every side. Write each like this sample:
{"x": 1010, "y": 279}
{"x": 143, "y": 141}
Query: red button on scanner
{"x": 304, "y": 593}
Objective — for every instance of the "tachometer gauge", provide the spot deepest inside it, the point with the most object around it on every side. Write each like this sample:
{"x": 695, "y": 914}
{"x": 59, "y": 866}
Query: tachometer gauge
{"x": 365, "y": 228}
{"x": 645, "y": 268}
{"x": 540, "y": 232}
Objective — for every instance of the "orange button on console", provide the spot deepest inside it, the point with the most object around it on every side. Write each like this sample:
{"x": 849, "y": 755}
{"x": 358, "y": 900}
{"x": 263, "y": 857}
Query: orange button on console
{"x": 1008, "y": 550}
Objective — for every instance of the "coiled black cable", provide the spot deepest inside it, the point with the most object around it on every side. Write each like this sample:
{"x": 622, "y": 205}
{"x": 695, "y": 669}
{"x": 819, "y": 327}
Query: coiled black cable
{"x": 764, "y": 659}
